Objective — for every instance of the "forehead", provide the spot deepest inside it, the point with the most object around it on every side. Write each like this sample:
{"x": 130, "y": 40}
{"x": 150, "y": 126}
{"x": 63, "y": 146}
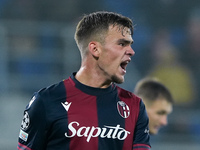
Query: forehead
{"x": 118, "y": 31}
{"x": 162, "y": 104}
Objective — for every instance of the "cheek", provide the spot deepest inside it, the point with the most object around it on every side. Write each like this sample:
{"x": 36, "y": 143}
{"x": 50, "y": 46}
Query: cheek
{"x": 110, "y": 61}
{"x": 112, "y": 52}
{"x": 153, "y": 116}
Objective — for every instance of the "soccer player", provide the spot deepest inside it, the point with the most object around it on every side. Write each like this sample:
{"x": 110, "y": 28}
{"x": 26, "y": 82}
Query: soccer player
{"x": 158, "y": 101}
{"x": 88, "y": 111}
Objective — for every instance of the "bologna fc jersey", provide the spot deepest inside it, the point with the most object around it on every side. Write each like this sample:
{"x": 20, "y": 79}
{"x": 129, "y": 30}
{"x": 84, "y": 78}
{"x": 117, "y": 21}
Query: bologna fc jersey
{"x": 73, "y": 116}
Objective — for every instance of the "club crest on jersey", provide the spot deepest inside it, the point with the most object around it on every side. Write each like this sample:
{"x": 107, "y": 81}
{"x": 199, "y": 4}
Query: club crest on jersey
{"x": 123, "y": 109}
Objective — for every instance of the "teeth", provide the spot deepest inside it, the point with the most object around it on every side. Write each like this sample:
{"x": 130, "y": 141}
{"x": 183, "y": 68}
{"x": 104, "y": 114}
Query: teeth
{"x": 127, "y": 61}
{"x": 124, "y": 64}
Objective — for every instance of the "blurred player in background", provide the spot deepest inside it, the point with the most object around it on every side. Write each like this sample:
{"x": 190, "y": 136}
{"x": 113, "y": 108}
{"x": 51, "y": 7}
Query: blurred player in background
{"x": 158, "y": 102}
{"x": 88, "y": 111}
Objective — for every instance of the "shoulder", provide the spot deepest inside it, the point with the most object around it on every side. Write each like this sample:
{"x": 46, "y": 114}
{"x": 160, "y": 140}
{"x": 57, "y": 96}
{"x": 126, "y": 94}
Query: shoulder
{"x": 47, "y": 95}
{"x": 127, "y": 94}
{"x": 129, "y": 98}
{"x": 55, "y": 91}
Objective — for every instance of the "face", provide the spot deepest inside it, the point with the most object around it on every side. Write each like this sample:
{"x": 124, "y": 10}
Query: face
{"x": 158, "y": 113}
{"x": 115, "y": 54}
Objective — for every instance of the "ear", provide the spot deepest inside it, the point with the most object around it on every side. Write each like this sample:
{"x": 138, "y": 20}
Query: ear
{"x": 94, "y": 48}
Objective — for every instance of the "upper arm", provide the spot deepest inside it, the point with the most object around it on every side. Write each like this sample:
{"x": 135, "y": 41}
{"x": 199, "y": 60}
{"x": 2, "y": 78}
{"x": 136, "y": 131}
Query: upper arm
{"x": 32, "y": 131}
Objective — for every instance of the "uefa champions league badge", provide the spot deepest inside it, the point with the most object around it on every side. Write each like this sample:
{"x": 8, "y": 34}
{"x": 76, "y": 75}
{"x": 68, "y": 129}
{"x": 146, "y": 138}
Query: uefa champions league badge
{"x": 123, "y": 109}
{"x": 25, "y": 121}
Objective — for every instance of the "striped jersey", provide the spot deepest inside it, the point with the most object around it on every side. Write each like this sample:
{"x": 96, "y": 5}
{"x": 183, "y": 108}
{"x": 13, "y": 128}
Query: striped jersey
{"x": 72, "y": 116}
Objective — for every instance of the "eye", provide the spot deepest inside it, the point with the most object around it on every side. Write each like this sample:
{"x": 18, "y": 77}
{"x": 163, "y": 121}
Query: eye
{"x": 161, "y": 113}
{"x": 121, "y": 44}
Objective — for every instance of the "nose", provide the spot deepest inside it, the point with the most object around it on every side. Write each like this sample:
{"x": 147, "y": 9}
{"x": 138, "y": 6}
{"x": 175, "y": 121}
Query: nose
{"x": 164, "y": 120}
{"x": 130, "y": 51}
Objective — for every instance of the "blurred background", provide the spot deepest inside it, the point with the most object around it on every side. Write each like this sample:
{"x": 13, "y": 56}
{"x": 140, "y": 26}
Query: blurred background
{"x": 37, "y": 49}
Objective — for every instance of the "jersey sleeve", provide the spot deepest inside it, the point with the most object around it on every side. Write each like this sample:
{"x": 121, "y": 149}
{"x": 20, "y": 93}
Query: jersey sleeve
{"x": 32, "y": 131}
{"x": 141, "y": 136}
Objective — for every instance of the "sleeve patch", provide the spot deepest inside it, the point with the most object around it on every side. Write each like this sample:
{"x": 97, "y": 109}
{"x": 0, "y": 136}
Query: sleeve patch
{"x": 25, "y": 121}
{"x": 23, "y": 135}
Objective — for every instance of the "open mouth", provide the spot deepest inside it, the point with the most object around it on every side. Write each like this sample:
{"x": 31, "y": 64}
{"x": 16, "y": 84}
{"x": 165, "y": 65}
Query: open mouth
{"x": 124, "y": 65}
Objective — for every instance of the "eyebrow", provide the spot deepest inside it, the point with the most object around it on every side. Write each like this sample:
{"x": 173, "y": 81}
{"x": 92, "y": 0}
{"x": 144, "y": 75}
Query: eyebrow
{"x": 163, "y": 112}
{"x": 125, "y": 41}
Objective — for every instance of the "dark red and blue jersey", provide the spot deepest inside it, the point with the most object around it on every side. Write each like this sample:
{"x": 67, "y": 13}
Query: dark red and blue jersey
{"x": 73, "y": 116}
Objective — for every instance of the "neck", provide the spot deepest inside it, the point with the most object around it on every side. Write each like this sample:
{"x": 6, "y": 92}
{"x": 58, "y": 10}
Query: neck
{"x": 91, "y": 77}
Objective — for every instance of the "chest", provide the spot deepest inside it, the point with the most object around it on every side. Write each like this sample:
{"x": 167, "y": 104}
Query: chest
{"x": 90, "y": 118}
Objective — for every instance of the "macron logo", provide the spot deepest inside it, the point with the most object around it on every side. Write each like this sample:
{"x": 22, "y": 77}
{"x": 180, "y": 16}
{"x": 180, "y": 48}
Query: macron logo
{"x": 66, "y": 105}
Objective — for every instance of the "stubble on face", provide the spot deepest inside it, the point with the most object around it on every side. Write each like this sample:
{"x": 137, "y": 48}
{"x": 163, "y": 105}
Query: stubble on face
{"x": 113, "y": 58}
{"x": 117, "y": 80}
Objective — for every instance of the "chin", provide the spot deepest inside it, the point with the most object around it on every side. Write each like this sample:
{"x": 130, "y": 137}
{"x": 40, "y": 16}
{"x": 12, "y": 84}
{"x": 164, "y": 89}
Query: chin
{"x": 118, "y": 80}
{"x": 153, "y": 132}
